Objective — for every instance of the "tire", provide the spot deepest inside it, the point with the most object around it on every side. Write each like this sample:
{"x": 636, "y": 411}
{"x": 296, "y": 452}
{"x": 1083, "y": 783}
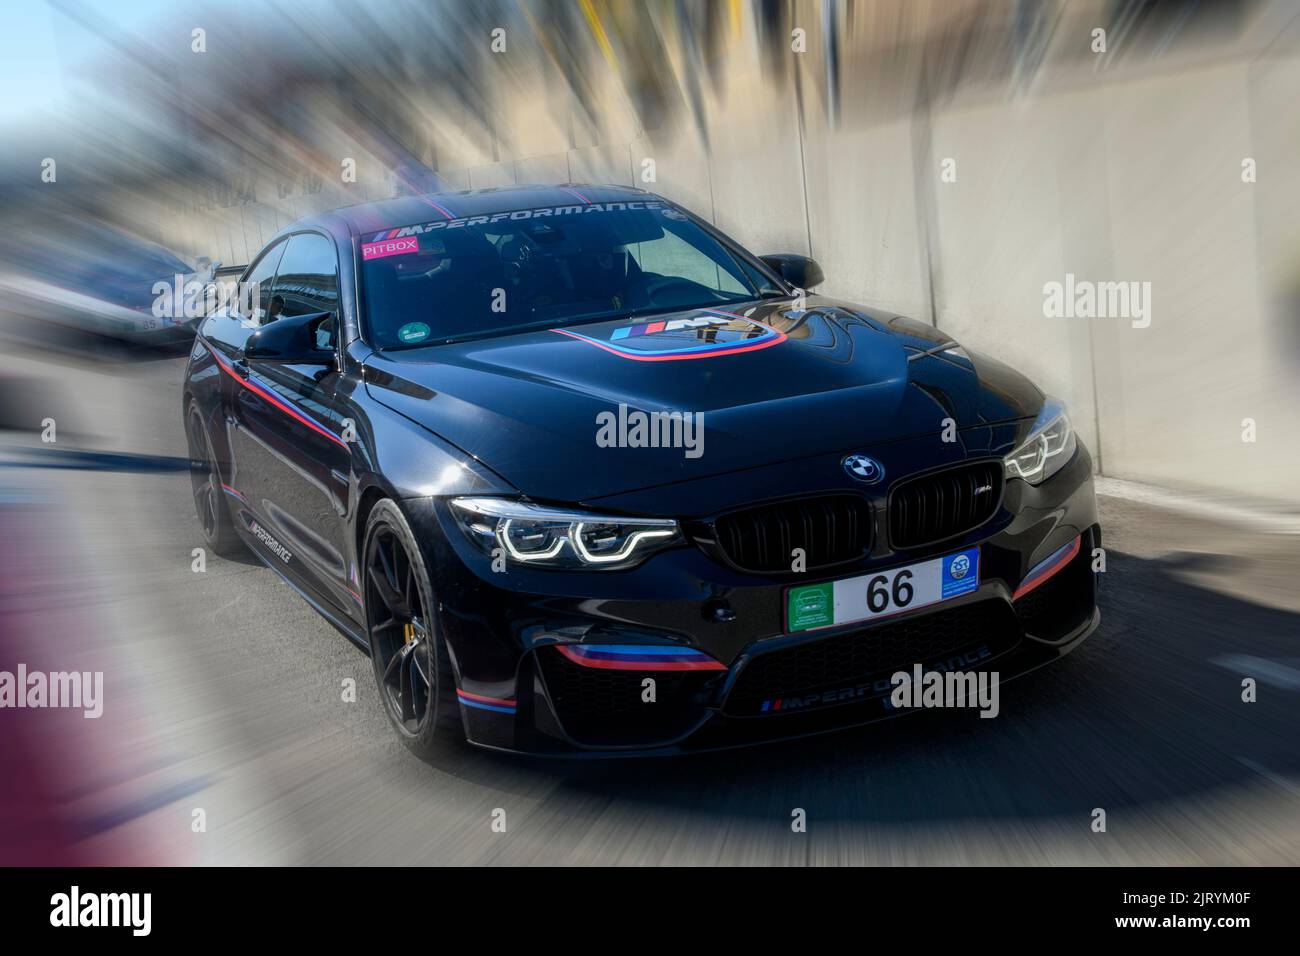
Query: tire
{"x": 413, "y": 671}
{"x": 210, "y": 507}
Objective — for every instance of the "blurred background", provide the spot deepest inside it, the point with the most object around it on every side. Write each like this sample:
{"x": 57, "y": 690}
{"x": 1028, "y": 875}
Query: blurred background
{"x": 1123, "y": 165}
{"x": 943, "y": 159}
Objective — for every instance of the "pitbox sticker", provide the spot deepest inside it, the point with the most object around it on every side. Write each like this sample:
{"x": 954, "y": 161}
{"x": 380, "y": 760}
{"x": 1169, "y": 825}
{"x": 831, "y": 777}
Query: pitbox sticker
{"x": 389, "y": 247}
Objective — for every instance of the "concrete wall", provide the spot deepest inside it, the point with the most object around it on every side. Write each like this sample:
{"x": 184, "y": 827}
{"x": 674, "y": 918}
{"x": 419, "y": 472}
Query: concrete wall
{"x": 1138, "y": 181}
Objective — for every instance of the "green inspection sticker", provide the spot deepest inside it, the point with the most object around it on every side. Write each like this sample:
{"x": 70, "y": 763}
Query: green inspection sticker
{"x": 811, "y": 606}
{"x": 413, "y": 332}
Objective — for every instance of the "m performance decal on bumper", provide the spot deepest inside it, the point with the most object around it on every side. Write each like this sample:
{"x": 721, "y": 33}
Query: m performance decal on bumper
{"x": 878, "y": 689}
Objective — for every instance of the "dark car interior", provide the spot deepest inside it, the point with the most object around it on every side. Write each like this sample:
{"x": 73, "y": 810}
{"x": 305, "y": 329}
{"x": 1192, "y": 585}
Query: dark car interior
{"x": 469, "y": 281}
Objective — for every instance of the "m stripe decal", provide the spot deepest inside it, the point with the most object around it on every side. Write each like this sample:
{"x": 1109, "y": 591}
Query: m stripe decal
{"x": 275, "y": 400}
{"x": 1048, "y": 567}
{"x": 639, "y": 657}
{"x": 478, "y": 701}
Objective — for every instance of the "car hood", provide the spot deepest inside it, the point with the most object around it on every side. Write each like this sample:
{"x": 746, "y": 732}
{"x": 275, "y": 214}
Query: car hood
{"x": 773, "y": 383}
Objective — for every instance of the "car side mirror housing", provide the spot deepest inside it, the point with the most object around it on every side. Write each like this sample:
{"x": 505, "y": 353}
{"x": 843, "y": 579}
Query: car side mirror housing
{"x": 800, "y": 271}
{"x": 294, "y": 340}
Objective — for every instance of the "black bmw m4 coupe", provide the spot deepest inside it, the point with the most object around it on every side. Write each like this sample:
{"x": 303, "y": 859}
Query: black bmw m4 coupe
{"x": 583, "y": 476}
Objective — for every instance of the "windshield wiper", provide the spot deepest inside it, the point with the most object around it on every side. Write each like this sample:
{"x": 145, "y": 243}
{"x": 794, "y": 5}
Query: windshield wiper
{"x": 540, "y": 324}
{"x": 660, "y": 310}
{"x": 933, "y": 351}
{"x": 565, "y": 321}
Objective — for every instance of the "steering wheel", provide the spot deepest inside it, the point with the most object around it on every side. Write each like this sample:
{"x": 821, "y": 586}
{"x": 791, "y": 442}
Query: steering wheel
{"x": 652, "y": 289}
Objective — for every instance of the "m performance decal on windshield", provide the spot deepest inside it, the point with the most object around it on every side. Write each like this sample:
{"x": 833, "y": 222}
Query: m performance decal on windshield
{"x": 578, "y": 209}
{"x": 710, "y": 334}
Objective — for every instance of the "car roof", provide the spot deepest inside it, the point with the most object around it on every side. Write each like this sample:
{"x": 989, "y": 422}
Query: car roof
{"x": 369, "y": 217}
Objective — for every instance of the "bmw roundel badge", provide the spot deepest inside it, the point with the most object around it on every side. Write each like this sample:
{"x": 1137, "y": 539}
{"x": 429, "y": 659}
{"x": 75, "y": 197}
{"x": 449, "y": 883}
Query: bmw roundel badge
{"x": 864, "y": 469}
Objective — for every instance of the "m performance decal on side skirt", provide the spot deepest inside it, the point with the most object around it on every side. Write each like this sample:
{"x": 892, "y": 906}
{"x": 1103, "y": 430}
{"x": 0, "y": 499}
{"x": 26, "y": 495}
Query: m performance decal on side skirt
{"x": 275, "y": 547}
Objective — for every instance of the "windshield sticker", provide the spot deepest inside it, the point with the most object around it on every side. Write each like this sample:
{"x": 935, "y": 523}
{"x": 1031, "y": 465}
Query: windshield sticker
{"x": 709, "y": 334}
{"x": 515, "y": 216}
{"x": 395, "y": 247}
{"x": 413, "y": 332}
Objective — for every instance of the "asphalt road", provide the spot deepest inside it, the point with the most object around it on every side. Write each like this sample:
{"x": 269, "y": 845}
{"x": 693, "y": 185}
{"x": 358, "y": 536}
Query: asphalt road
{"x": 234, "y": 687}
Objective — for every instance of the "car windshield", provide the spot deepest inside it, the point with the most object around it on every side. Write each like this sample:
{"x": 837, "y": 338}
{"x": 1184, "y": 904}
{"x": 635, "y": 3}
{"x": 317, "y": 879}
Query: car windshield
{"x": 445, "y": 280}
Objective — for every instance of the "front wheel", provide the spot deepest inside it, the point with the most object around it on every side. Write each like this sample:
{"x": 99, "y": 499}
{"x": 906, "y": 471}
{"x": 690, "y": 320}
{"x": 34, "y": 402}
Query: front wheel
{"x": 412, "y": 667}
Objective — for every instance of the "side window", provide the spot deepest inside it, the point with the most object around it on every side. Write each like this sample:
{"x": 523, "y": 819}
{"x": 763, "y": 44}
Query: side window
{"x": 258, "y": 287}
{"x": 308, "y": 278}
{"x": 232, "y": 327}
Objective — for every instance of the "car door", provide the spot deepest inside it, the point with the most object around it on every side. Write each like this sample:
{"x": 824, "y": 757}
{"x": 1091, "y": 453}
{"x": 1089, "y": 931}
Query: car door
{"x": 290, "y": 439}
{"x": 223, "y": 334}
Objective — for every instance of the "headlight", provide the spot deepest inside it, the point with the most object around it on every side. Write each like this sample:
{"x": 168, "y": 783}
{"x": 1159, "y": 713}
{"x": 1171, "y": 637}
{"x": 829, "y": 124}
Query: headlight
{"x": 1049, "y": 446}
{"x": 560, "y": 538}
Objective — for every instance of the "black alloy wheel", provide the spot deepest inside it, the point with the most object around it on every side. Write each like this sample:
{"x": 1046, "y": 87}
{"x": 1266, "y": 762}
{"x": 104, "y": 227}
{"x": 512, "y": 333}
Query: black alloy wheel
{"x": 412, "y": 668}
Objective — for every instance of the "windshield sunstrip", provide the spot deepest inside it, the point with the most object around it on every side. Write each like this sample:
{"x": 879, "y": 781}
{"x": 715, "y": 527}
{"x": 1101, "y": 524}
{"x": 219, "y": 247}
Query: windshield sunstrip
{"x": 401, "y": 232}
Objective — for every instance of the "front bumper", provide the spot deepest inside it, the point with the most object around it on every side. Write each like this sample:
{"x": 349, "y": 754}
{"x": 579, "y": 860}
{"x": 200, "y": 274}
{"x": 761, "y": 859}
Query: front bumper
{"x": 520, "y": 693}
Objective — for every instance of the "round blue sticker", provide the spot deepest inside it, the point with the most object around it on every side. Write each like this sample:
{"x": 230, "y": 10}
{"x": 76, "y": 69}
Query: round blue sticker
{"x": 413, "y": 332}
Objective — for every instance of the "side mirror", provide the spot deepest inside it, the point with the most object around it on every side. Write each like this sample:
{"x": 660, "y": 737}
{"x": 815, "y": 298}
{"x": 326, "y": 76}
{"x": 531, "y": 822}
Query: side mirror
{"x": 799, "y": 271}
{"x": 295, "y": 340}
